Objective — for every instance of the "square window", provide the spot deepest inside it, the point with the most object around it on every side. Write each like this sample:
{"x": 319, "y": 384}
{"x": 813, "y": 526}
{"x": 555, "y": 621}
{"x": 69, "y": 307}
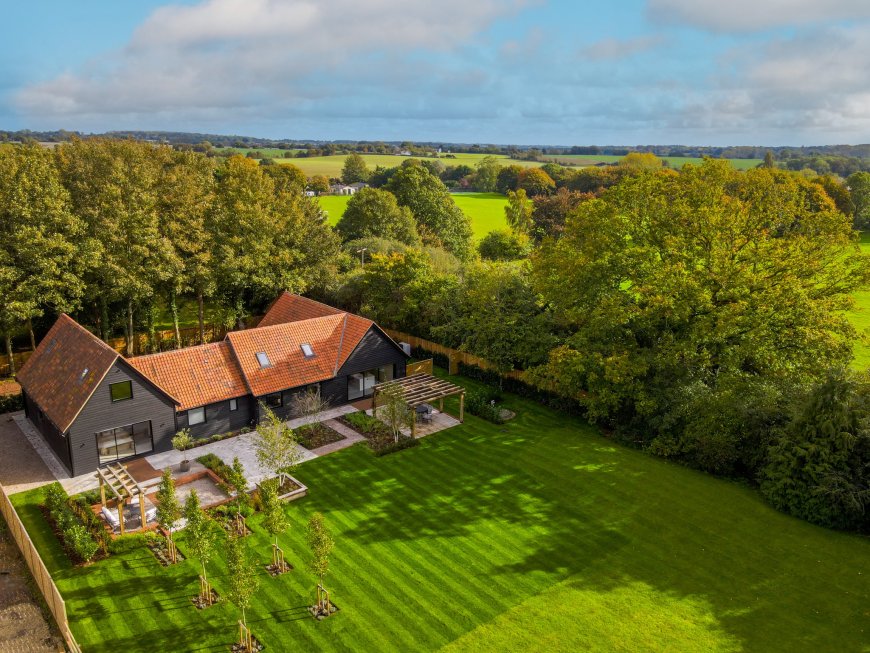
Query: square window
{"x": 121, "y": 391}
{"x": 263, "y": 359}
{"x": 234, "y": 404}
{"x": 273, "y": 400}
{"x": 196, "y": 416}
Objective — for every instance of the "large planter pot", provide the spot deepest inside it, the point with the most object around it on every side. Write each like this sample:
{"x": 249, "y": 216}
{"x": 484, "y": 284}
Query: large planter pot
{"x": 184, "y": 466}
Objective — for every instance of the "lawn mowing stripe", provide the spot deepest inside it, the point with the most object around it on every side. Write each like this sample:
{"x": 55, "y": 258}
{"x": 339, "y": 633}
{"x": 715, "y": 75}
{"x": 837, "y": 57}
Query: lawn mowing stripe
{"x": 378, "y": 570}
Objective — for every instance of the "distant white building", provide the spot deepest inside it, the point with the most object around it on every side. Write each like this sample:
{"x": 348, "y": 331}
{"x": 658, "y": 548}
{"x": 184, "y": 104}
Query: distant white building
{"x": 347, "y": 189}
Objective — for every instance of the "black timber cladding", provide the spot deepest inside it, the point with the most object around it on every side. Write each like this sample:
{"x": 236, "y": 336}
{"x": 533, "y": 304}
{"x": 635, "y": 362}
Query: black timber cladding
{"x": 101, "y": 413}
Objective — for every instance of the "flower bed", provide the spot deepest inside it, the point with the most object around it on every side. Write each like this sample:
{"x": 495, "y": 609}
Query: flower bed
{"x": 316, "y": 435}
{"x": 380, "y": 438}
{"x": 80, "y": 532}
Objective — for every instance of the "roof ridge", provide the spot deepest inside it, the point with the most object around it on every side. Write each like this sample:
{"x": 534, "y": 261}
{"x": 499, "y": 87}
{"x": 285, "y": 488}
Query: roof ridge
{"x": 286, "y": 324}
{"x": 169, "y": 352}
{"x": 340, "y": 345}
{"x": 99, "y": 341}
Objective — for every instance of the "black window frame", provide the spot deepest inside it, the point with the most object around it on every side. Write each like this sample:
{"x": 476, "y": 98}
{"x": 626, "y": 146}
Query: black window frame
{"x": 129, "y": 384}
{"x": 268, "y": 404}
{"x": 204, "y": 415}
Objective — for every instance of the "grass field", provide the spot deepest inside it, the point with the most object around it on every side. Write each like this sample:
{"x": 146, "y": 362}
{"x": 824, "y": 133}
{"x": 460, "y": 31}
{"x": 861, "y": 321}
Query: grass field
{"x": 675, "y": 162}
{"x": 331, "y": 165}
{"x": 486, "y": 210}
{"x": 536, "y": 535}
{"x": 860, "y": 317}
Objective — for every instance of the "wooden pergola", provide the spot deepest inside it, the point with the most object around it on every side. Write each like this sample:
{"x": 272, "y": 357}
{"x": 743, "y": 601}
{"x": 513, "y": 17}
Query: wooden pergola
{"x": 123, "y": 487}
{"x": 420, "y": 389}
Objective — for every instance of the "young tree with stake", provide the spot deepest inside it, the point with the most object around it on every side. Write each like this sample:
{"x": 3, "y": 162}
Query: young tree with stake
{"x": 392, "y": 407}
{"x": 274, "y": 520}
{"x": 275, "y": 444}
{"x": 321, "y": 544}
{"x": 168, "y": 510}
{"x": 201, "y": 539}
{"x": 243, "y": 583}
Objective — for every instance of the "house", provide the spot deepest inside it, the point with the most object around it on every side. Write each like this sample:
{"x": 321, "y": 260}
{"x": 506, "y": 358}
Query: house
{"x": 94, "y": 407}
{"x": 347, "y": 189}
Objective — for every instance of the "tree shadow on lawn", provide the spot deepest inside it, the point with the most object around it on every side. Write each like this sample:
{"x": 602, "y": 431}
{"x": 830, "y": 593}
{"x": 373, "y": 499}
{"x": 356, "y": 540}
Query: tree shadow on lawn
{"x": 168, "y": 639}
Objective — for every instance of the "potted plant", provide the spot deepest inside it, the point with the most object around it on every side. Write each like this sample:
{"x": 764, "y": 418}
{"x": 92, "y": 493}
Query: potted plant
{"x": 182, "y": 441}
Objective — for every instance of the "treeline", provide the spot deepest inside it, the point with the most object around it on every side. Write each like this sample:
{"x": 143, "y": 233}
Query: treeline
{"x": 111, "y": 229}
{"x": 698, "y": 315}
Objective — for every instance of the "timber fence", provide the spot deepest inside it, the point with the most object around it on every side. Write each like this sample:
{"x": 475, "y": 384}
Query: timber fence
{"x": 455, "y": 357}
{"x": 40, "y": 574}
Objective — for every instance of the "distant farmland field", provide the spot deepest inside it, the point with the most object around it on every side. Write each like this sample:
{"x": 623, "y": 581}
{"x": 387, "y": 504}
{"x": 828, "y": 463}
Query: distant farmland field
{"x": 331, "y": 165}
{"x": 486, "y": 210}
{"x": 675, "y": 162}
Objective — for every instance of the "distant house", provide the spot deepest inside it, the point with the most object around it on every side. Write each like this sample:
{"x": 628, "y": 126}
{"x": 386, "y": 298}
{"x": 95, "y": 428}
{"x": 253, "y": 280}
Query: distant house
{"x": 94, "y": 407}
{"x": 404, "y": 152}
{"x": 347, "y": 189}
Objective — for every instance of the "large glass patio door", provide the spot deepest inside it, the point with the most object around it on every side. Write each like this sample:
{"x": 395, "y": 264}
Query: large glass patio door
{"x": 124, "y": 441}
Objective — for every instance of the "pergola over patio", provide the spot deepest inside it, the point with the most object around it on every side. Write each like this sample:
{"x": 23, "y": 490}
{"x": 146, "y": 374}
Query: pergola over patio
{"x": 420, "y": 389}
{"x": 123, "y": 487}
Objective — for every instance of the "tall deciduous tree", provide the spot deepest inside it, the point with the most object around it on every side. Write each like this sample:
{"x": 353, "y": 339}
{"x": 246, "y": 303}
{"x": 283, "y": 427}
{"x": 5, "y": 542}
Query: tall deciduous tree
{"x": 673, "y": 280}
{"x": 185, "y": 199}
{"x": 355, "y": 169}
{"x": 859, "y": 190}
{"x": 42, "y": 250}
{"x": 518, "y": 212}
{"x": 432, "y": 206}
{"x": 373, "y": 212}
{"x": 114, "y": 186}
{"x": 486, "y": 174}
{"x": 535, "y": 181}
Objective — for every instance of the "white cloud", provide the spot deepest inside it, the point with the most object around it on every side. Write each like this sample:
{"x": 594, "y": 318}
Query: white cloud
{"x": 755, "y": 15}
{"x": 613, "y": 49}
{"x": 261, "y": 55}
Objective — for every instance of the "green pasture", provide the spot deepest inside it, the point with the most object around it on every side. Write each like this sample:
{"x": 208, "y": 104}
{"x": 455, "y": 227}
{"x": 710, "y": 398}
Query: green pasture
{"x": 675, "y": 162}
{"x": 537, "y": 535}
{"x": 486, "y": 210}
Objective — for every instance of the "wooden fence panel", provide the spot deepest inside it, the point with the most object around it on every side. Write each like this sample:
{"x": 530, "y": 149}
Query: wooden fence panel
{"x": 455, "y": 356}
{"x": 38, "y": 570}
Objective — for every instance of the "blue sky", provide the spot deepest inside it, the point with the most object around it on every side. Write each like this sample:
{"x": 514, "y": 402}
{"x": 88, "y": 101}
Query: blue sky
{"x": 768, "y": 72}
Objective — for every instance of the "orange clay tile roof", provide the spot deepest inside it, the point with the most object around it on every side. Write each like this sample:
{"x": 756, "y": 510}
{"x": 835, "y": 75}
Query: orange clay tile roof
{"x": 64, "y": 371}
{"x": 332, "y": 339}
{"x": 293, "y": 308}
{"x": 195, "y": 376}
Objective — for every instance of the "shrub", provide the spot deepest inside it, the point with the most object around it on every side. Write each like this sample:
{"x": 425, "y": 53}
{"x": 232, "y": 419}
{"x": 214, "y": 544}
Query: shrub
{"x": 79, "y": 540}
{"x": 479, "y": 403}
{"x": 11, "y": 403}
{"x": 218, "y": 466}
{"x": 392, "y": 446}
{"x": 55, "y": 497}
{"x": 367, "y": 425}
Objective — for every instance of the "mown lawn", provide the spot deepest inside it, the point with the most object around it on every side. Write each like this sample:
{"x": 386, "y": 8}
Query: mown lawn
{"x": 536, "y": 535}
{"x": 485, "y": 210}
{"x": 860, "y": 318}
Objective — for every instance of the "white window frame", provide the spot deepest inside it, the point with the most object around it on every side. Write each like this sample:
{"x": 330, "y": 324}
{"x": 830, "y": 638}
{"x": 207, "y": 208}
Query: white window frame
{"x": 197, "y": 411}
{"x": 234, "y": 404}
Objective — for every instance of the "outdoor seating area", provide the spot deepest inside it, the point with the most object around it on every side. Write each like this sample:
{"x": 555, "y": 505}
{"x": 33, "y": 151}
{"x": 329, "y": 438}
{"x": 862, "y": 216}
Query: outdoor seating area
{"x": 123, "y": 488}
{"x": 419, "y": 392}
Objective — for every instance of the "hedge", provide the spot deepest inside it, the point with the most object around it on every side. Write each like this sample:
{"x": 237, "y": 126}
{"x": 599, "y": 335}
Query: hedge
{"x": 523, "y": 389}
{"x": 11, "y": 403}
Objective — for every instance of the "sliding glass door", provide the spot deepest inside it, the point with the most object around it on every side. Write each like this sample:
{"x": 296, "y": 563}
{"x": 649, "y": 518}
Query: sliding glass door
{"x": 124, "y": 441}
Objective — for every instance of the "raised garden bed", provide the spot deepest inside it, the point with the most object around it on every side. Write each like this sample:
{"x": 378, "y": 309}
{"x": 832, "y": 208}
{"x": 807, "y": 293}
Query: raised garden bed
{"x": 312, "y": 436}
{"x": 291, "y": 488}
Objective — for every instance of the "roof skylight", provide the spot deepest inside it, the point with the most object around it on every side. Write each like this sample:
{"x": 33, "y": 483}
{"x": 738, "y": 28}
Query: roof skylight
{"x": 307, "y": 350}
{"x": 263, "y": 359}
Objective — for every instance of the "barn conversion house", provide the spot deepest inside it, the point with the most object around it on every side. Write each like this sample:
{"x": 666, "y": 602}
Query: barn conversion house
{"x": 94, "y": 407}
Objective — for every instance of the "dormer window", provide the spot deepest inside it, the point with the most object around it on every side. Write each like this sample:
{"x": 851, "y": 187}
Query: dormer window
{"x": 263, "y": 359}
{"x": 307, "y": 350}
